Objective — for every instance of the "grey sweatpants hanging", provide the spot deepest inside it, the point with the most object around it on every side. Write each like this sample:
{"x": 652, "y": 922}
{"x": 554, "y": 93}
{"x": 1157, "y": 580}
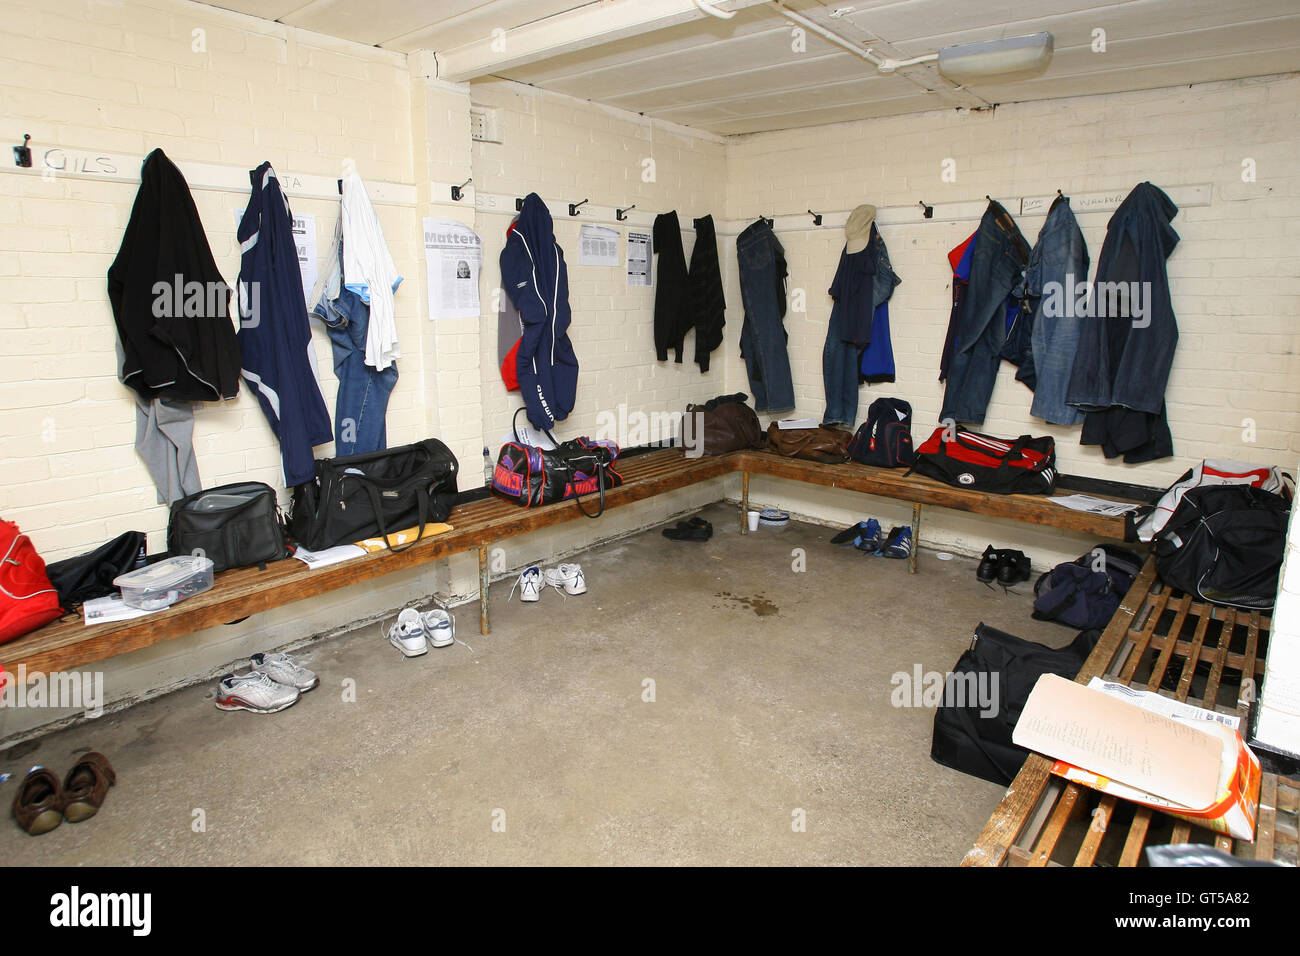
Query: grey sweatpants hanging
{"x": 164, "y": 439}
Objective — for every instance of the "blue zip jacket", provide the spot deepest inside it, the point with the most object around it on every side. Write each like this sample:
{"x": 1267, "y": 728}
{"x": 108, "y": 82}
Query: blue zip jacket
{"x": 274, "y": 337}
{"x": 537, "y": 281}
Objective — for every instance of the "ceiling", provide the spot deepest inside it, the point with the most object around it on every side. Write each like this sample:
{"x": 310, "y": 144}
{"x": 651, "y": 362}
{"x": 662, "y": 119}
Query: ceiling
{"x": 667, "y": 59}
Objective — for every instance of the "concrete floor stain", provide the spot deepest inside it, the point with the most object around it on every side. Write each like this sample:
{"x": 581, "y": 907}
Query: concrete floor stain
{"x": 759, "y": 604}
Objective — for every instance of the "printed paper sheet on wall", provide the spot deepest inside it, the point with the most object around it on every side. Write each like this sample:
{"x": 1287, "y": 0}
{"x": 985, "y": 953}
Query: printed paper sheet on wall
{"x": 638, "y": 259}
{"x": 454, "y": 255}
{"x": 597, "y": 246}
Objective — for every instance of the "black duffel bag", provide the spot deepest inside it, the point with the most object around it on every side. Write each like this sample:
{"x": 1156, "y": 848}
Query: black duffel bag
{"x": 375, "y": 494}
{"x": 974, "y": 735}
{"x": 236, "y": 526}
{"x": 1224, "y": 544}
{"x": 90, "y": 575}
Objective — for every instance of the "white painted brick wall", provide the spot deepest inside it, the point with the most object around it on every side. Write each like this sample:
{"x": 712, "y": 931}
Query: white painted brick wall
{"x": 1234, "y": 275}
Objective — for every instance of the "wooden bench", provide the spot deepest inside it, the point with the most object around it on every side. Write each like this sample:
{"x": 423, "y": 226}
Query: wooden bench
{"x": 238, "y": 593}
{"x": 919, "y": 490}
{"x": 1158, "y": 638}
{"x": 481, "y": 524}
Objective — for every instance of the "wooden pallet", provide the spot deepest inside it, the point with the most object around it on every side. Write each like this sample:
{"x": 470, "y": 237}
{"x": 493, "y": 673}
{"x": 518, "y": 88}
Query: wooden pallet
{"x": 1159, "y": 640}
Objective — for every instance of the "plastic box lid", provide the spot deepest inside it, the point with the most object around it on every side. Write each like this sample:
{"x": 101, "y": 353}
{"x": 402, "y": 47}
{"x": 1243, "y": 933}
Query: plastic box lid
{"x": 167, "y": 573}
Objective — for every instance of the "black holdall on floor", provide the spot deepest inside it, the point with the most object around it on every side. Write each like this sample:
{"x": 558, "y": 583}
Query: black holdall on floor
{"x": 375, "y": 494}
{"x": 1224, "y": 544}
{"x": 986, "y": 692}
{"x": 236, "y": 526}
{"x": 885, "y": 438}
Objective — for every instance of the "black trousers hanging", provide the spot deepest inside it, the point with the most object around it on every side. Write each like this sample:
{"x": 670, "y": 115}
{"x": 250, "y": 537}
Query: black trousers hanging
{"x": 706, "y": 304}
{"x": 671, "y": 319}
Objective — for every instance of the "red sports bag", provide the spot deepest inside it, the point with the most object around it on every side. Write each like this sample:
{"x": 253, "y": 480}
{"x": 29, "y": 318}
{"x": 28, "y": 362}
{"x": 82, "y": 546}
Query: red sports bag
{"x": 1002, "y": 466}
{"x": 27, "y": 599}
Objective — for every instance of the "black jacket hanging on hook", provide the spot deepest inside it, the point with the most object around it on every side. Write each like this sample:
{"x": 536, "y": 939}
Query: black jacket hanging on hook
{"x": 671, "y": 319}
{"x": 706, "y": 304}
{"x": 170, "y": 303}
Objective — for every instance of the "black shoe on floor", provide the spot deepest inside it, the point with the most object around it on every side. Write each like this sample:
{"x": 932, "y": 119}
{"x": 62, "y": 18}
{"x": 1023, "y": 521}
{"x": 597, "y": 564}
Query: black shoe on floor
{"x": 1013, "y": 568}
{"x": 693, "y": 529}
{"x": 988, "y": 566}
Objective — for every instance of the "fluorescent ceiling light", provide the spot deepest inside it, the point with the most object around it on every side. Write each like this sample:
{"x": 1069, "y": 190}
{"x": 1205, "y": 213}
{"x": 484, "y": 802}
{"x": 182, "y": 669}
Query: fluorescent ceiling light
{"x": 1010, "y": 58}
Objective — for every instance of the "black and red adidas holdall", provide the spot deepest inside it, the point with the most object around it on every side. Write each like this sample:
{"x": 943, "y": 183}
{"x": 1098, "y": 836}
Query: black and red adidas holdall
{"x": 967, "y": 459}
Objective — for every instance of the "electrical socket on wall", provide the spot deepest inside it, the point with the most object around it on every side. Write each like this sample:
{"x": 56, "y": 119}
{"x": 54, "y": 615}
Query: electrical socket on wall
{"x": 484, "y": 124}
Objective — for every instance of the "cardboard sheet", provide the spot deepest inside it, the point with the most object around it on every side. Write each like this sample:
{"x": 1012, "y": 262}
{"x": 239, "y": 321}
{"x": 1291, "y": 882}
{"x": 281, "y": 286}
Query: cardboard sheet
{"x": 1122, "y": 741}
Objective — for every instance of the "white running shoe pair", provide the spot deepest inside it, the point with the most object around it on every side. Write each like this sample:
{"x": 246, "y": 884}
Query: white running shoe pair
{"x": 275, "y": 682}
{"x": 564, "y": 577}
{"x": 414, "y": 632}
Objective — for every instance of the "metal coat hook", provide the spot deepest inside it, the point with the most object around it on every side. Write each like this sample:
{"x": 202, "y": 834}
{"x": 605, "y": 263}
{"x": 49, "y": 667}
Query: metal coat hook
{"x": 621, "y": 214}
{"x": 929, "y": 210}
{"x": 519, "y": 204}
{"x": 817, "y": 217}
{"x": 456, "y": 194}
{"x": 573, "y": 207}
{"x": 23, "y": 153}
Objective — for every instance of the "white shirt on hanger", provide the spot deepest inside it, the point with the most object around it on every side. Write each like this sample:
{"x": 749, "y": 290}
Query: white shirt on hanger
{"x": 368, "y": 270}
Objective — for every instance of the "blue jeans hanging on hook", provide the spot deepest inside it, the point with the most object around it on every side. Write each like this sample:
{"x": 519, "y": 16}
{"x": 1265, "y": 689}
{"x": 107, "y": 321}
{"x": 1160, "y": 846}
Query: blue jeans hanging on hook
{"x": 361, "y": 406}
{"x": 763, "y": 336}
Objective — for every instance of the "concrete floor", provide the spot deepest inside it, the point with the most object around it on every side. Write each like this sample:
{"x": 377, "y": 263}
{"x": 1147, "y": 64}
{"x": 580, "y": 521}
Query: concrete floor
{"x": 772, "y": 695}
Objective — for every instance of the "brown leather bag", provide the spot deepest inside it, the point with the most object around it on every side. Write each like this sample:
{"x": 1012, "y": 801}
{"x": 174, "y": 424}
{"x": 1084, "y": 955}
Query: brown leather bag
{"x": 728, "y": 426}
{"x": 822, "y": 444}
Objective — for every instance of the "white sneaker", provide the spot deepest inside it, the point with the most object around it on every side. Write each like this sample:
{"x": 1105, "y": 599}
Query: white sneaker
{"x": 566, "y": 577}
{"x": 407, "y": 633}
{"x": 440, "y": 627}
{"x": 283, "y": 669}
{"x": 255, "y": 692}
{"x": 529, "y": 585}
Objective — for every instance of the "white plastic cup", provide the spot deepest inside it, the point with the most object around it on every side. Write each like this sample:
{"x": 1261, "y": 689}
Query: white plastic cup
{"x": 753, "y": 520}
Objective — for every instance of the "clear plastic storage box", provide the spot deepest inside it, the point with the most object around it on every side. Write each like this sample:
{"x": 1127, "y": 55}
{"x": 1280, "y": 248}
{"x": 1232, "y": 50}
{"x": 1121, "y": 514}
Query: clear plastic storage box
{"x": 162, "y": 584}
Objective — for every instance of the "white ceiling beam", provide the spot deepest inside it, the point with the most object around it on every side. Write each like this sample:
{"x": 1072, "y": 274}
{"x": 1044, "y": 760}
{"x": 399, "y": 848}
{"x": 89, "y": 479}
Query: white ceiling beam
{"x": 579, "y": 29}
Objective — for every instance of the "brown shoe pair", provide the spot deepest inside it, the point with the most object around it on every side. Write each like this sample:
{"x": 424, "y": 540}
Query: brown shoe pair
{"x": 42, "y": 802}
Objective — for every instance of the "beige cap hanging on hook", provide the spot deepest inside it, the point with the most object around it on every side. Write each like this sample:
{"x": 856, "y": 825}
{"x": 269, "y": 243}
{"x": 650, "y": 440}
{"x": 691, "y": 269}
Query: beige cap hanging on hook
{"x": 857, "y": 231}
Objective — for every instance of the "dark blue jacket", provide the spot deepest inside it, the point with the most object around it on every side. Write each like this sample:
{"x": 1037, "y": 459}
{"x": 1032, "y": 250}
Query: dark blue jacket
{"x": 274, "y": 337}
{"x": 1124, "y": 359}
{"x": 537, "y": 281}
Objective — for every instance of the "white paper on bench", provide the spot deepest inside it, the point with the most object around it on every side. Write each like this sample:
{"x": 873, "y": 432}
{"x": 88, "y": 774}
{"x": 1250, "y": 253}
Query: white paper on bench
{"x": 1094, "y": 506}
{"x": 334, "y": 555}
{"x": 104, "y": 610}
